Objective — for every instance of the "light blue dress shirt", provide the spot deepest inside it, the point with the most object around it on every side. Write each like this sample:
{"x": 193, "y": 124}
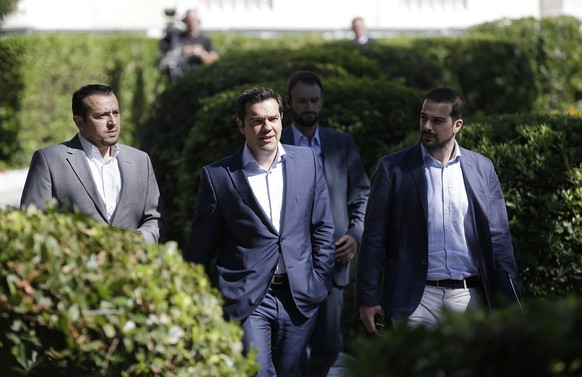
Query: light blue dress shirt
{"x": 449, "y": 256}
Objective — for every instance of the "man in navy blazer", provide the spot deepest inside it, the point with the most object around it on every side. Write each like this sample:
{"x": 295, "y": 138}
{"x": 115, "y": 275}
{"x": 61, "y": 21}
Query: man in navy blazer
{"x": 436, "y": 233}
{"x": 263, "y": 228}
{"x": 348, "y": 187}
{"x": 111, "y": 182}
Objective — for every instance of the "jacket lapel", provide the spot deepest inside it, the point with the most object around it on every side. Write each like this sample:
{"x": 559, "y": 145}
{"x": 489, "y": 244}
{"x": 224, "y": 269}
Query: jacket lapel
{"x": 243, "y": 187}
{"x": 78, "y": 162}
{"x": 416, "y": 166}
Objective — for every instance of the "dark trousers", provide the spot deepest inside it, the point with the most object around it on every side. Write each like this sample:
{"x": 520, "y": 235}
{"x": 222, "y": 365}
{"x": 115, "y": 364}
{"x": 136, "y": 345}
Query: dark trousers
{"x": 326, "y": 341}
{"x": 279, "y": 333}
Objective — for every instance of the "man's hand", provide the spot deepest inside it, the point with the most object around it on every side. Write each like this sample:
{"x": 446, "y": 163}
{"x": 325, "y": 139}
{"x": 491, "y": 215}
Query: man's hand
{"x": 346, "y": 248}
{"x": 367, "y": 314}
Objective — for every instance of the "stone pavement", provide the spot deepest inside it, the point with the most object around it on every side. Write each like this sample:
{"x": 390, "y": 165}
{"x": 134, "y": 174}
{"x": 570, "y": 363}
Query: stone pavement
{"x": 11, "y": 185}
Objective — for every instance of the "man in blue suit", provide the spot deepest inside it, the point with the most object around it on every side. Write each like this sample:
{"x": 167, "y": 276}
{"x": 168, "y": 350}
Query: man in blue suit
{"x": 436, "y": 234}
{"x": 348, "y": 187}
{"x": 264, "y": 213}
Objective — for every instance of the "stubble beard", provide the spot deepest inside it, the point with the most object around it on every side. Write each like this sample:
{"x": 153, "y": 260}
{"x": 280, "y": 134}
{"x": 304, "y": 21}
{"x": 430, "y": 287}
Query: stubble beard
{"x": 437, "y": 144}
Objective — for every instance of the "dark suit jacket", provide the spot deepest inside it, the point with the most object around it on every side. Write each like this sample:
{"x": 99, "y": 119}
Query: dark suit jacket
{"x": 396, "y": 235}
{"x": 230, "y": 224}
{"x": 61, "y": 171}
{"x": 348, "y": 187}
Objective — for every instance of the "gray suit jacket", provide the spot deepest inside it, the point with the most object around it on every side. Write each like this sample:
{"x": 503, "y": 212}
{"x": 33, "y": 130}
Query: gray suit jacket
{"x": 230, "y": 225}
{"x": 348, "y": 187}
{"x": 61, "y": 171}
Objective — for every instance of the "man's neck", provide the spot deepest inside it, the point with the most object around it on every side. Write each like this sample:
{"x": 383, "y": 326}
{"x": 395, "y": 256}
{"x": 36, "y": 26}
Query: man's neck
{"x": 309, "y": 132}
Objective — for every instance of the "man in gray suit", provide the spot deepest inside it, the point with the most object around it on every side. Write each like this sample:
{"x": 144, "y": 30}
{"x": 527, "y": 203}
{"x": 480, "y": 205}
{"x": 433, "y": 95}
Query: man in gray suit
{"x": 263, "y": 229}
{"x": 348, "y": 191}
{"x": 111, "y": 182}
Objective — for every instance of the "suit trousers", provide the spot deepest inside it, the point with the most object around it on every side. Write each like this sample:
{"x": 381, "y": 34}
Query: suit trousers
{"x": 436, "y": 300}
{"x": 326, "y": 341}
{"x": 278, "y": 331}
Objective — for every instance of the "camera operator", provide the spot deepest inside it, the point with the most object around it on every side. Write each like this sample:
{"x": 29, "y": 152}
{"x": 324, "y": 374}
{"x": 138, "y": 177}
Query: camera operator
{"x": 185, "y": 50}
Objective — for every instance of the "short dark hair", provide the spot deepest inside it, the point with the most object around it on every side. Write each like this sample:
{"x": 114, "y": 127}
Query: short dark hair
{"x": 256, "y": 95}
{"x": 448, "y": 95}
{"x": 79, "y": 107}
{"x": 305, "y": 77}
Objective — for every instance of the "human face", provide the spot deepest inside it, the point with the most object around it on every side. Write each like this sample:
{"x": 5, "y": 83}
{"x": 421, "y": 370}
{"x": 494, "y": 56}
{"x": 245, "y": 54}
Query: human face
{"x": 437, "y": 129}
{"x": 305, "y": 103}
{"x": 262, "y": 129}
{"x": 359, "y": 28}
{"x": 102, "y": 123}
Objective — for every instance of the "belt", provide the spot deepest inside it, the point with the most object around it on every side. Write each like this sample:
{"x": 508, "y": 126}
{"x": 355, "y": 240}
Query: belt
{"x": 470, "y": 282}
{"x": 280, "y": 279}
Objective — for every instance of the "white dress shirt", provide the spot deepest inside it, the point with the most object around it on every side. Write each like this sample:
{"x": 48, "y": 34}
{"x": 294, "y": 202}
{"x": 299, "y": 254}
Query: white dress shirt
{"x": 105, "y": 174}
{"x": 268, "y": 186}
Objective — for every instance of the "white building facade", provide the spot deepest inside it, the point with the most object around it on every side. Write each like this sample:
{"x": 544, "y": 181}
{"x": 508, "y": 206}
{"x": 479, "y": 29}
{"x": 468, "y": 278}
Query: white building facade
{"x": 276, "y": 15}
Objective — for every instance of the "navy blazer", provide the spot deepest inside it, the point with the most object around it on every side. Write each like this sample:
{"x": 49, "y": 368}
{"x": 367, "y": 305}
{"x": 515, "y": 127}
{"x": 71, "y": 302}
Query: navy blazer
{"x": 348, "y": 187}
{"x": 396, "y": 235}
{"x": 61, "y": 171}
{"x": 230, "y": 225}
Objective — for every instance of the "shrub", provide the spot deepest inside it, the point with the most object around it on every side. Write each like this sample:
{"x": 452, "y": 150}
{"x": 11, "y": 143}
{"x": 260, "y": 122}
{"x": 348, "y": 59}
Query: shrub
{"x": 79, "y": 298}
{"x": 539, "y": 342}
{"x": 539, "y": 163}
{"x": 43, "y": 71}
{"x": 552, "y": 44}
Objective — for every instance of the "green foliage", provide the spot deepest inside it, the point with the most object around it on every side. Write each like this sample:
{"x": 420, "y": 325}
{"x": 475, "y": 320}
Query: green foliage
{"x": 80, "y": 298}
{"x": 538, "y": 160}
{"x": 539, "y": 342}
{"x": 553, "y": 46}
{"x": 43, "y": 71}
{"x": 7, "y": 7}
{"x": 495, "y": 76}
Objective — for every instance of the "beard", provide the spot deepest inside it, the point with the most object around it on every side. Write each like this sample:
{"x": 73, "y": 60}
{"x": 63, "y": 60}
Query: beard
{"x": 436, "y": 144}
{"x": 305, "y": 120}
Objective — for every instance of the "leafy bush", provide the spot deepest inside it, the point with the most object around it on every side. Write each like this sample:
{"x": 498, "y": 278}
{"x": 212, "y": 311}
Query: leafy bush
{"x": 539, "y": 163}
{"x": 43, "y": 71}
{"x": 80, "y": 298}
{"x": 494, "y": 75}
{"x": 553, "y": 46}
{"x": 539, "y": 342}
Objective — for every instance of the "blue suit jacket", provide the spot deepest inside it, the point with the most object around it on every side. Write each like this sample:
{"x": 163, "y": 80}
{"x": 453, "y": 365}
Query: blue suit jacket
{"x": 230, "y": 224}
{"x": 348, "y": 187}
{"x": 396, "y": 235}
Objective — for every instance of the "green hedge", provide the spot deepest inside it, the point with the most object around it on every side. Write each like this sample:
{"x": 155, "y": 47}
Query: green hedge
{"x": 539, "y": 162}
{"x": 80, "y": 298}
{"x": 553, "y": 46}
{"x": 40, "y": 72}
{"x": 541, "y": 342}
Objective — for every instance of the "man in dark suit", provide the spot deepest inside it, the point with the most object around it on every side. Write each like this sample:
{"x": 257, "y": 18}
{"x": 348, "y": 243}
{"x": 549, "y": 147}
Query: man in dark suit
{"x": 111, "y": 182}
{"x": 436, "y": 234}
{"x": 264, "y": 213}
{"x": 348, "y": 190}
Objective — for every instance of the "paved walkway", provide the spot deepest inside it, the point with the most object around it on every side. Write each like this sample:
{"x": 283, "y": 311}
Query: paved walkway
{"x": 11, "y": 184}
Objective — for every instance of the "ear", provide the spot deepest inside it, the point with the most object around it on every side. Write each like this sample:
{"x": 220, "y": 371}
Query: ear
{"x": 241, "y": 125}
{"x": 458, "y": 125}
{"x": 78, "y": 121}
{"x": 287, "y": 101}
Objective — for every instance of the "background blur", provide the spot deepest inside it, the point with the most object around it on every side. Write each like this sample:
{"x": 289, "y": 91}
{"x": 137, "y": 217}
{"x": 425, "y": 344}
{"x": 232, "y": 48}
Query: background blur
{"x": 332, "y": 17}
